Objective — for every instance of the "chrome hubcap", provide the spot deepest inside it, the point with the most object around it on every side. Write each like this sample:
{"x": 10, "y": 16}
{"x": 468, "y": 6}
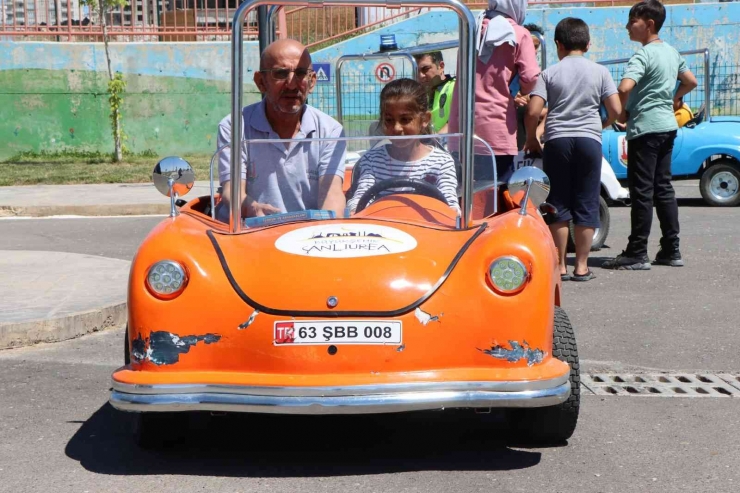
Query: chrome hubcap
{"x": 724, "y": 185}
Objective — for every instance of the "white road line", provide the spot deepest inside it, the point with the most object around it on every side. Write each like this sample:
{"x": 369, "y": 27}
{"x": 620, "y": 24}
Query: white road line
{"x": 26, "y": 218}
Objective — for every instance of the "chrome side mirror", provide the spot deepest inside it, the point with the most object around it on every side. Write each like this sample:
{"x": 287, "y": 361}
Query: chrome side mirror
{"x": 173, "y": 177}
{"x": 529, "y": 183}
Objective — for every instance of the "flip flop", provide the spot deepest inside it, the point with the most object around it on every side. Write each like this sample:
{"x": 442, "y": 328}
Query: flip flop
{"x": 585, "y": 277}
{"x": 565, "y": 277}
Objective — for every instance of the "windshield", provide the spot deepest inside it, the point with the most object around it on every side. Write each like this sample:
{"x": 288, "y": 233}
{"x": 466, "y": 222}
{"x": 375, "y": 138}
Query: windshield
{"x": 411, "y": 178}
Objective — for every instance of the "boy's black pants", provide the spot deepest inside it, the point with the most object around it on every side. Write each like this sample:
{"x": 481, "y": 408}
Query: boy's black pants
{"x": 649, "y": 178}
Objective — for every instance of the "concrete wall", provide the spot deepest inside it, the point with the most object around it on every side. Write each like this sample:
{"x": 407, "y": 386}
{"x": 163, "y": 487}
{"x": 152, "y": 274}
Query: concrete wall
{"x": 53, "y": 95}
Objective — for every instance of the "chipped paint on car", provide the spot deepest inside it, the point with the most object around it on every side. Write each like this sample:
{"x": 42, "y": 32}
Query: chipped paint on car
{"x": 424, "y": 318}
{"x": 249, "y": 321}
{"x": 165, "y": 348}
{"x": 516, "y": 352}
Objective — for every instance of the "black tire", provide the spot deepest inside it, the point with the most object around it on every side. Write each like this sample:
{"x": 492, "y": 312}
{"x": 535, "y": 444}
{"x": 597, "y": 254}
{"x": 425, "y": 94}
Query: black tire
{"x": 126, "y": 349}
{"x": 719, "y": 185}
{"x": 158, "y": 430}
{"x": 599, "y": 235}
{"x": 554, "y": 424}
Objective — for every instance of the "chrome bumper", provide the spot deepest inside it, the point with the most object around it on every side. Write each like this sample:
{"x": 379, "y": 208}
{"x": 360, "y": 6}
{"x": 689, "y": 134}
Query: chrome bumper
{"x": 389, "y": 398}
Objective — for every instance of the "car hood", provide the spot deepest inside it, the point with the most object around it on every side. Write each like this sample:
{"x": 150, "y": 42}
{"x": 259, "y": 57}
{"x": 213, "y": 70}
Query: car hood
{"x": 370, "y": 267}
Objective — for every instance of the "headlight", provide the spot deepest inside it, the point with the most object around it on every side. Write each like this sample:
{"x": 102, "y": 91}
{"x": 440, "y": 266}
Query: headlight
{"x": 508, "y": 275}
{"x": 166, "y": 279}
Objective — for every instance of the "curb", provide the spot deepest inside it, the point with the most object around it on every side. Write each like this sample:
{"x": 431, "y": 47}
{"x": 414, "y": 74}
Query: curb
{"x": 13, "y": 335}
{"x": 84, "y": 210}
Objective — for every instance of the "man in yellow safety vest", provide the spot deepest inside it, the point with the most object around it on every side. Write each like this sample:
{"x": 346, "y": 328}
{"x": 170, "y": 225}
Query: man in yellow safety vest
{"x": 440, "y": 86}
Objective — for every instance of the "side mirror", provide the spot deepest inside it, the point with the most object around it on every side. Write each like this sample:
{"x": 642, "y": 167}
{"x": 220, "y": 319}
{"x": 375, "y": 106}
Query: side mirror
{"x": 173, "y": 177}
{"x": 529, "y": 183}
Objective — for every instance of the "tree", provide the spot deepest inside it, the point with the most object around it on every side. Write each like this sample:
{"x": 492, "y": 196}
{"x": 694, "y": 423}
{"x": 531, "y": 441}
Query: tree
{"x": 116, "y": 84}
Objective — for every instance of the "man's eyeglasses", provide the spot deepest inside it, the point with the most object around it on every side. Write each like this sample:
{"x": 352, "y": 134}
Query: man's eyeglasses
{"x": 284, "y": 73}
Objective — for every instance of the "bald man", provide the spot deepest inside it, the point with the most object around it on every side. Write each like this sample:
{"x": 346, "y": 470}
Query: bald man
{"x": 285, "y": 177}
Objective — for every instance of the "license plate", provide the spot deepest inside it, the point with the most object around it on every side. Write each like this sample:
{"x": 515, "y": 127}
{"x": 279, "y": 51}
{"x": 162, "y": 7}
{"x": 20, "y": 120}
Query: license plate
{"x": 338, "y": 332}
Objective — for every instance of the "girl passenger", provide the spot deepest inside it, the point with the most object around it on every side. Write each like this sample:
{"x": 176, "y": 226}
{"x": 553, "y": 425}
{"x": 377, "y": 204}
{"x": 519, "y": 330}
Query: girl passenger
{"x": 404, "y": 110}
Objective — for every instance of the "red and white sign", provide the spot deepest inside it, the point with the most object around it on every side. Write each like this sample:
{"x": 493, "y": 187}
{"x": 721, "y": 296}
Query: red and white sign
{"x": 385, "y": 72}
{"x": 622, "y": 149}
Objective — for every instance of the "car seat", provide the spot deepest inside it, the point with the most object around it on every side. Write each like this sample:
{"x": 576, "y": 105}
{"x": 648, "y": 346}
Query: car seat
{"x": 698, "y": 117}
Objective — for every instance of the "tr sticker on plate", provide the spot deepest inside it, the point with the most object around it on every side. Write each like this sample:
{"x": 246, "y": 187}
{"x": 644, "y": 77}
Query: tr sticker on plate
{"x": 338, "y": 332}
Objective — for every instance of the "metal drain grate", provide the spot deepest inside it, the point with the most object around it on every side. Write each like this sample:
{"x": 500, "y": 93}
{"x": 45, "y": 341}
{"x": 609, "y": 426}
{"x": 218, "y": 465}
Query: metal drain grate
{"x": 663, "y": 384}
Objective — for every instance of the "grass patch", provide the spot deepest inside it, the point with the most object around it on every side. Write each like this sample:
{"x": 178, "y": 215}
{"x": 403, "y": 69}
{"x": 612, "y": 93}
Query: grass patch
{"x": 75, "y": 167}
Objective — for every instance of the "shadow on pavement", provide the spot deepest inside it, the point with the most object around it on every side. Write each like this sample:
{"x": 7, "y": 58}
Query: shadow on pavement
{"x": 299, "y": 446}
{"x": 691, "y": 202}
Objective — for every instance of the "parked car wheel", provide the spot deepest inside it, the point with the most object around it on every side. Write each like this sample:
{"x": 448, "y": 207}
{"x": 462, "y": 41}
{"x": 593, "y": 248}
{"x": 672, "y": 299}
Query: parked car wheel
{"x": 126, "y": 349}
{"x": 554, "y": 424}
{"x": 720, "y": 184}
{"x": 600, "y": 233}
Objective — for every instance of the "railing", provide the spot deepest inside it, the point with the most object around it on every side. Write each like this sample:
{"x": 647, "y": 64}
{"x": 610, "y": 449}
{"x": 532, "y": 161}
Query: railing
{"x": 718, "y": 84}
{"x": 204, "y": 20}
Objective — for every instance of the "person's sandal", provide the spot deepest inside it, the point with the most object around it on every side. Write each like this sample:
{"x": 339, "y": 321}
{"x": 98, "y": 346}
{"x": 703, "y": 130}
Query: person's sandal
{"x": 585, "y": 277}
{"x": 565, "y": 277}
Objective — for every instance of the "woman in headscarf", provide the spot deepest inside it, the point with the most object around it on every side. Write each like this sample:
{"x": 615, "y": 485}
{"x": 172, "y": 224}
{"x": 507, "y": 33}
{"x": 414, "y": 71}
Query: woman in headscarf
{"x": 505, "y": 50}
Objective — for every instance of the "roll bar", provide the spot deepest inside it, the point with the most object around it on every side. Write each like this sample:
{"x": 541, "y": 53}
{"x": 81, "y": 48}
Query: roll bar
{"x": 466, "y": 84}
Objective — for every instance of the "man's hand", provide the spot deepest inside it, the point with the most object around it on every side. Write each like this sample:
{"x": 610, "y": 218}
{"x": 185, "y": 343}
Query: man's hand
{"x": 257, "y": 209}
{"x": 331, "y": 196}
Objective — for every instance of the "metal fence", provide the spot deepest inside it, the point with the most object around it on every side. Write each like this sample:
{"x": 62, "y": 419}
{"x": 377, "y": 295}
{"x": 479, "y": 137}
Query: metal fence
{"x": 360, "y": 101}
{"x": 182, "y": 20}
{"x": 724, "y": 84}
{"x": 204, "y": 20}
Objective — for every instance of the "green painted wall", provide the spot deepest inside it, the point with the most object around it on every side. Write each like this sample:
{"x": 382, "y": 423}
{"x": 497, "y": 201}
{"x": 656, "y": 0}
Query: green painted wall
{"x": 51, "y": 110}
{"x": 53, "y": 95}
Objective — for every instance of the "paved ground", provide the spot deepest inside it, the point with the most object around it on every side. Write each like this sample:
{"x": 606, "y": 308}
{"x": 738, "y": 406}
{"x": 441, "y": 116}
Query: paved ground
{"x": 55, "y": 284}
{"x": 88, "y": 200}
{"x": 58, "y": 434}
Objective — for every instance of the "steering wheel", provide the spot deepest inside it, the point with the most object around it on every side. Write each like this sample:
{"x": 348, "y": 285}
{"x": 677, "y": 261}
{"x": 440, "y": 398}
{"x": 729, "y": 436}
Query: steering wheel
{"x": 418, "y": 188}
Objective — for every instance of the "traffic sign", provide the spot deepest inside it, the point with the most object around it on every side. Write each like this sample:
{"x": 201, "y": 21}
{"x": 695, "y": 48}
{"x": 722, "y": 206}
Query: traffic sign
{"x": 323, "y": 72}
{"x": 385, "y": 72}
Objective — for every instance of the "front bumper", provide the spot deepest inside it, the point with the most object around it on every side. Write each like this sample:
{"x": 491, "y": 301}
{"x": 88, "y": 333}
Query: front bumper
{"x": 364, "y": 399}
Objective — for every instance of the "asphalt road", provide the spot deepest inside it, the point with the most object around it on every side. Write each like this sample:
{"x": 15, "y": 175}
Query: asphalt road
{"x": 58, "y": 434}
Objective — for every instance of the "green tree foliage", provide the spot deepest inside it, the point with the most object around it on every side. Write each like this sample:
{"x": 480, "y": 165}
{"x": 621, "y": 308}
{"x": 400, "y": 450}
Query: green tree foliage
{"x": 116, "y": 84}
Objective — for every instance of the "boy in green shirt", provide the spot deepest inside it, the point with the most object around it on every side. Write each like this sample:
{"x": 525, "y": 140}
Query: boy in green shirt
{"x": 647, "y": 95}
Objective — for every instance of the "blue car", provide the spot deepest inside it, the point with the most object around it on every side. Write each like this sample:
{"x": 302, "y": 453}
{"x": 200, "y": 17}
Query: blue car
{"x": 706, "y": 148}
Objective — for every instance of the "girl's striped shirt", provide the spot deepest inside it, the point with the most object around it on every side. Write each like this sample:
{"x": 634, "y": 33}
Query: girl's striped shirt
{"x": 437, "y": 169}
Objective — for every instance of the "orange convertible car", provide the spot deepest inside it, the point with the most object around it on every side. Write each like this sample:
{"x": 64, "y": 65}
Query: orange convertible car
{"x": 407, "y": 305}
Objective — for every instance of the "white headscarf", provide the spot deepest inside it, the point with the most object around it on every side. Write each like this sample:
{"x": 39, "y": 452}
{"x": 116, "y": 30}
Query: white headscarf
{"x": 514, "y": 9}
{"x": 499, "y": 30}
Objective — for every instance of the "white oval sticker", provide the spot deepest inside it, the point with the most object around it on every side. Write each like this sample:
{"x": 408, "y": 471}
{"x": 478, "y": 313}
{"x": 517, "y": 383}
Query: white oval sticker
{"x": 345, "y": 241}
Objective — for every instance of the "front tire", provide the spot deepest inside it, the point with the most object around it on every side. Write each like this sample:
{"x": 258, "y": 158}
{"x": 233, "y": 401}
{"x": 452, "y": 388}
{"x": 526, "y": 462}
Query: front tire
{"x": 554, "y": 424}
{"x": 720, "y": 184}
{"x": 158, "y": 430}
{"x": 126, "y": 349}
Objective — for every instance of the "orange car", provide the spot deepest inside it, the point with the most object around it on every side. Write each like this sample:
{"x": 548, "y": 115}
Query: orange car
{"x": 404, "y": 306}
